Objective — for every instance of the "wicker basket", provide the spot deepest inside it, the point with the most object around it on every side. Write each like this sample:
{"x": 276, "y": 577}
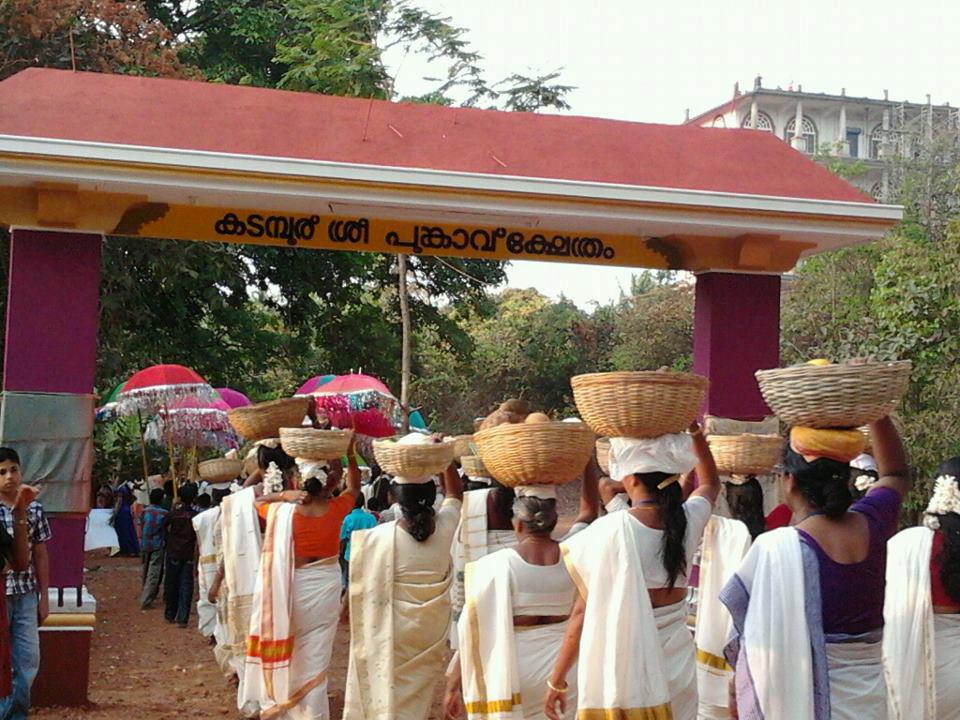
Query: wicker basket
{"x": 264, "y": 420}
{"x": 220, "y": 470}
{"x": 746, "y": 454}
{"x": 413, "y": 460}
{"x": 603, "y": 455}
{"x": 640, "y": 404}
{"x": 311, "y": 444}
{"x": 473, "y": 466}
{"x": 834, "y": 396}
{"x": 551, "y": 453}
{"x": 461, "y": 445}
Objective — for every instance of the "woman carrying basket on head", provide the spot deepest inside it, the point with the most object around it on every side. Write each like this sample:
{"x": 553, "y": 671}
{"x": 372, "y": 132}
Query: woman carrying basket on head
{"x": 921, "y": 636}
{"x": 628, "y": 627}
{"x": 296, "y": 605}
{"x": 807, "y": 601}
{"x": 399, "y": 602}
{"x": 517, "y": 603}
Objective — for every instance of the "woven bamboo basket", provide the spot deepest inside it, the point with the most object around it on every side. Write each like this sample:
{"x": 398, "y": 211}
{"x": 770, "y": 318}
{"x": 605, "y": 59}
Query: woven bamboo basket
{"x": 264, "y": 420}
{"x": 220, "y": 470}
{"x": 473, "y": 466}
{"x": 551, "y": 453}
{"x": 640, "y": 404}
{"x": 834, "y": 396}
{"x": 603, "y": 455}
{"x": 746, "y": 454}
{"x": 413, "y": 460}
{"x": 461, "y": 445}
{"x": 314, "y": 444}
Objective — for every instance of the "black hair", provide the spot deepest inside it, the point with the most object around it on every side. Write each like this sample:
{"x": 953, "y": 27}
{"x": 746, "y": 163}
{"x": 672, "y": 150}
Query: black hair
{"x": 9, "y": 455}
{"x": 218, "y": 495}
{"x": 746, "y": 505}
{"x": 674, "y": 521}
{"x": 156, "y": 496}
{"x": 313, "y": 486}
{"x": 168, "y": 488}
{"x": 380, "y": 492}
{"x": 950, "y": 530}
{"x": 824, "y": 483}
{"x": 374, "y": 505}
{"x": 267, "y": 455}
{"x": 503, "y": 498}
{"x": 538, "y": 515}
{"x": 416, "y": 504}
{"x": 188, "y": 493}
{"x": 358, "y": 502}
{"x": 204, "y": 501}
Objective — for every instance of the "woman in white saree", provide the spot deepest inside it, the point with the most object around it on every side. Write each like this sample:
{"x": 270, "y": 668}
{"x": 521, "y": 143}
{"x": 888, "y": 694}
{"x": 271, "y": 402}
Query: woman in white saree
{"x": 807, "y": 602}
{"x": 628, "y": 630}
{"x": 296, "y": 604}
{"x": 921, "y": 640}
{"x": 399, "y": 604}
{"x": 517, "y": 603}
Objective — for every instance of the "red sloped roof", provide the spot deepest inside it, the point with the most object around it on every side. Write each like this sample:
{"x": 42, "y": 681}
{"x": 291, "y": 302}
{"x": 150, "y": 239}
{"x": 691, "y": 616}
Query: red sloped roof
{"x": 193, "y": 115}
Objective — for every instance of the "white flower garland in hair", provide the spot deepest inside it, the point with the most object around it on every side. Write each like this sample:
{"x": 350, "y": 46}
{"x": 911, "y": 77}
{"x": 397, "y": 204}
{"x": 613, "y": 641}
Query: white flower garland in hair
{"x": 864, "y": 482}
{"x": 272, "y": 479}
{"x": 945, "y": 499}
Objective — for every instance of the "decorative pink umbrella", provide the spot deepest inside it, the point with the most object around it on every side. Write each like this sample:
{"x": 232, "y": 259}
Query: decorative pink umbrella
{"x": 233, "y": 398}
{"x": 194, "y": 423}
{"x": 158, "y": 387}
{"x": 161, "y": 386}
{"x": 360, "y": 402}
{"x": 313, "y": 384}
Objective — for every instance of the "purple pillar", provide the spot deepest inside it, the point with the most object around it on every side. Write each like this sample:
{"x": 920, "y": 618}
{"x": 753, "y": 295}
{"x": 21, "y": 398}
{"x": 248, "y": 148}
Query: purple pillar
{"x": 736, "y": 332}
{"x": 51, "y": 347}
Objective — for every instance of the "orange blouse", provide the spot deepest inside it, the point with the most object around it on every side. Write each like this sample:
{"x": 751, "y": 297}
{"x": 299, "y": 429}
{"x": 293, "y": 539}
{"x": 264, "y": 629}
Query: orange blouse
{"x": 318, "y": 537}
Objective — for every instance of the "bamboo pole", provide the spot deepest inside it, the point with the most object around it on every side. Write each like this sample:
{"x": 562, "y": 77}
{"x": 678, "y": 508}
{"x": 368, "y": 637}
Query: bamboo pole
{"x": 143, "y": 451}
{"x": 404, "y": 346}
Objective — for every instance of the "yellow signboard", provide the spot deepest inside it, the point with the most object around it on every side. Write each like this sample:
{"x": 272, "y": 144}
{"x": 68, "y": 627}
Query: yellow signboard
{"x": 136, "y": 216}
{"x": 328, "y": 232}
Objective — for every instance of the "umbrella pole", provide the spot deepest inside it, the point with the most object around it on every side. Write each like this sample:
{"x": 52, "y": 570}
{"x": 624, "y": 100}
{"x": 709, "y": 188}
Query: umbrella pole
{"x": 143, "y": 452}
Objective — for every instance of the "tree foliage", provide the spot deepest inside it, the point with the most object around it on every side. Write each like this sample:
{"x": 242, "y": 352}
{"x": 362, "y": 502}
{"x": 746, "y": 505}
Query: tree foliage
{"x": 101, "y": 35}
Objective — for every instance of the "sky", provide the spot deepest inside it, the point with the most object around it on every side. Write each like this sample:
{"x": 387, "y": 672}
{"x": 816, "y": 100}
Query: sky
{"x": 649, "y": 60}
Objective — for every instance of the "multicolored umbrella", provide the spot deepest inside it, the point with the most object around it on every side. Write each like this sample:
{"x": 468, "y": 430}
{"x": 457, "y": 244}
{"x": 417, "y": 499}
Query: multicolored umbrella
{"x": 311, "y": 385}
{"x": 109, "y": 407}
{"x": 194, "y": 423}
{"x": 233, "y": 398}
{"x": 161, "y": 386}
{"x": 361, "y": 402}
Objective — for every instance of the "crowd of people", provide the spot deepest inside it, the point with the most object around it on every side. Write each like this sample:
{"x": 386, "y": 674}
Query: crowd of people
{"x": 821, "y": 609}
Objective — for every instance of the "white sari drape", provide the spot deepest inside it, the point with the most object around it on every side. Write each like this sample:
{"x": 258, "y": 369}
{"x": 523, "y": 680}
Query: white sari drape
{"x": 921, "y": 650}
{"x": 771, "y": 650}
{"x": 398, "y": 632}
{"x": 634, "y": 661}
{"x": 241, "y": 542}
{"x": 504, "y": 668}
{"x": 292, "y": 627}
{"x": 206, "y": 525}
{"x": 725, "y": 543}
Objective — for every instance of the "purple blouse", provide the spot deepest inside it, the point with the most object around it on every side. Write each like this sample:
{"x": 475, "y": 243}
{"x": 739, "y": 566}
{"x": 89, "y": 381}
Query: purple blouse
{"x": 852, "y": 593}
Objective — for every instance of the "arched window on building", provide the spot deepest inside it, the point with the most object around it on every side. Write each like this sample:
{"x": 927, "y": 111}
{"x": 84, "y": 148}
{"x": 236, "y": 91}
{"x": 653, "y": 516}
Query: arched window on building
{"x": 876, "y": 142}
{"x": 808, "y": 130}
{"x": 719, "y": 122}
{"x": 764, "y": 122}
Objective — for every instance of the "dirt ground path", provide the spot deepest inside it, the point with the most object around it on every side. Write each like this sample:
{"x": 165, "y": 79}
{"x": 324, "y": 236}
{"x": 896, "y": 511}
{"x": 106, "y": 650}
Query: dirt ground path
{"x": 141, "y": 668}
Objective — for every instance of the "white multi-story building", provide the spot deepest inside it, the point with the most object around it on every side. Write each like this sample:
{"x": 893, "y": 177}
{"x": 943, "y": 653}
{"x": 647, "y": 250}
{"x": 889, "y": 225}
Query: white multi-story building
{"x": 864, "y": 131}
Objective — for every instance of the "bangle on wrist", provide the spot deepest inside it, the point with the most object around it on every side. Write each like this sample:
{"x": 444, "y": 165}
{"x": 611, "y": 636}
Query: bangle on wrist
{"x": 562, "y": 690}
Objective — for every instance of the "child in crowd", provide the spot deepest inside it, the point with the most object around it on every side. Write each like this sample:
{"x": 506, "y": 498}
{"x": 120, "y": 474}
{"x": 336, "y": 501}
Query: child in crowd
{"x": 151, "y": 548}
{"x": 180, "y": 542}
